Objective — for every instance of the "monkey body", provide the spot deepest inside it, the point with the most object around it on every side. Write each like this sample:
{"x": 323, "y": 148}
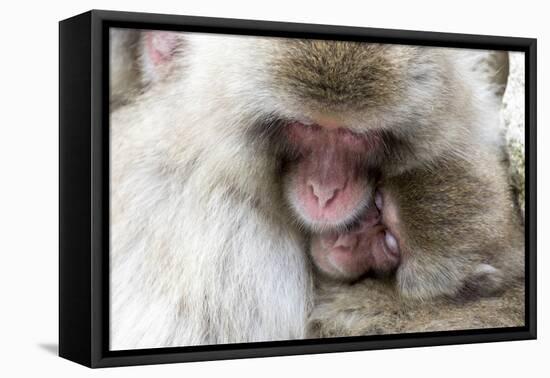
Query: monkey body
{"x": 198, "y": 242}
{"x": 169, "y": 262}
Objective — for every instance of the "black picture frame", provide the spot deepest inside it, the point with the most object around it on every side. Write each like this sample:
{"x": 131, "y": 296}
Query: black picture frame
{"x": 84, "y": 188}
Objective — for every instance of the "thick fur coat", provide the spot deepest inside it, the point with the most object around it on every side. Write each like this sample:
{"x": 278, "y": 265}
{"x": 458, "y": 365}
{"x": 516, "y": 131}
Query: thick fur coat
{"x": 204, "y": 249}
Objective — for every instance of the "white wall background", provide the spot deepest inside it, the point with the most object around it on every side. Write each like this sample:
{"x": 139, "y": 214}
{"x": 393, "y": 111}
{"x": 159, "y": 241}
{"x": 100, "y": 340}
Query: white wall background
{"x": 29, "y": 186}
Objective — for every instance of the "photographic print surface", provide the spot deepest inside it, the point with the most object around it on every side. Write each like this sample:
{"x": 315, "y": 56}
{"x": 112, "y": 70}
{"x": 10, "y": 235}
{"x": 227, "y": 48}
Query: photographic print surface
{"x": 269, "y": 189}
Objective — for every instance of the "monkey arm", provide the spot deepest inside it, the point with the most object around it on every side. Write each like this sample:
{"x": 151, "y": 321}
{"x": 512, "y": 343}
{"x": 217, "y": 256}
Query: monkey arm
{"x": 373, "y": 307}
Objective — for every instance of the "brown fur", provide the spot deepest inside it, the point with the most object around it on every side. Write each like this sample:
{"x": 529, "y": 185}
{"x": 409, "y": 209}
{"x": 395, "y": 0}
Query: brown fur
{"x": 342, "y": 73}
{"x": 125, "y": 82}
{"x": 372, "y": 307}
{"x": 454, "y": 216}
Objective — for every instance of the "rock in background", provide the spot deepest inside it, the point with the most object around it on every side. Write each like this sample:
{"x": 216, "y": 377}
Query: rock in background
{"x": 513, "y": 119}
{"x": 504, "y": 73}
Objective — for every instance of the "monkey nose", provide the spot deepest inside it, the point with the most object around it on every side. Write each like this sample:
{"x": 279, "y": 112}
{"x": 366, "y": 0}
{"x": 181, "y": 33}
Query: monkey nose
{"x": 323, "y": 194}
{"x": 347, "y": 241}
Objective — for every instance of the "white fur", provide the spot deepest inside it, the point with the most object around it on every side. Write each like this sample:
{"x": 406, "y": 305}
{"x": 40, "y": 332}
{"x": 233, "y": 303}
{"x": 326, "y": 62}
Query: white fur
{"x": 197, "y": 255}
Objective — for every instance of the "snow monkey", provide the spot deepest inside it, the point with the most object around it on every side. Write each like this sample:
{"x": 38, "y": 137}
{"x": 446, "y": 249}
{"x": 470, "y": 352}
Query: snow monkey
{"x": 233, "y": 145}
{"x": 450, "y": 230}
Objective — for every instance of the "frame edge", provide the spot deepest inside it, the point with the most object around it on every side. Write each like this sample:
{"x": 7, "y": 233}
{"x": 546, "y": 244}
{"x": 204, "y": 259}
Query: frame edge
{"x": 74, "y": 189}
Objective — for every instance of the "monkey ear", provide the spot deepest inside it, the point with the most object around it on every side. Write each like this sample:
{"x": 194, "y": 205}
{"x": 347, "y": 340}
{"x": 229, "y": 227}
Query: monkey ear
{"x": 157, "y": 52}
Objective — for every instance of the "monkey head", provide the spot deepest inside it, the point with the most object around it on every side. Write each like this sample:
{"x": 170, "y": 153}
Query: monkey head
{"x": 373, "y": 244}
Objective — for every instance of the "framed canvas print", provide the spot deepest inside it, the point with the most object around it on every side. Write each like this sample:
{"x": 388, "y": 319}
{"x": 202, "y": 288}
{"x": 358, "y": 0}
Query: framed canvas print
{"x": 234, "y": 188}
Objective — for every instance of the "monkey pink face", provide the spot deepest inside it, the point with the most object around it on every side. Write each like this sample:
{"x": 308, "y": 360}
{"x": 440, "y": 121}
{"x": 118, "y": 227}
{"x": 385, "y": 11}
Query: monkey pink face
{"x": 371, "y": 246}
{"x": 325, "y": 186}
